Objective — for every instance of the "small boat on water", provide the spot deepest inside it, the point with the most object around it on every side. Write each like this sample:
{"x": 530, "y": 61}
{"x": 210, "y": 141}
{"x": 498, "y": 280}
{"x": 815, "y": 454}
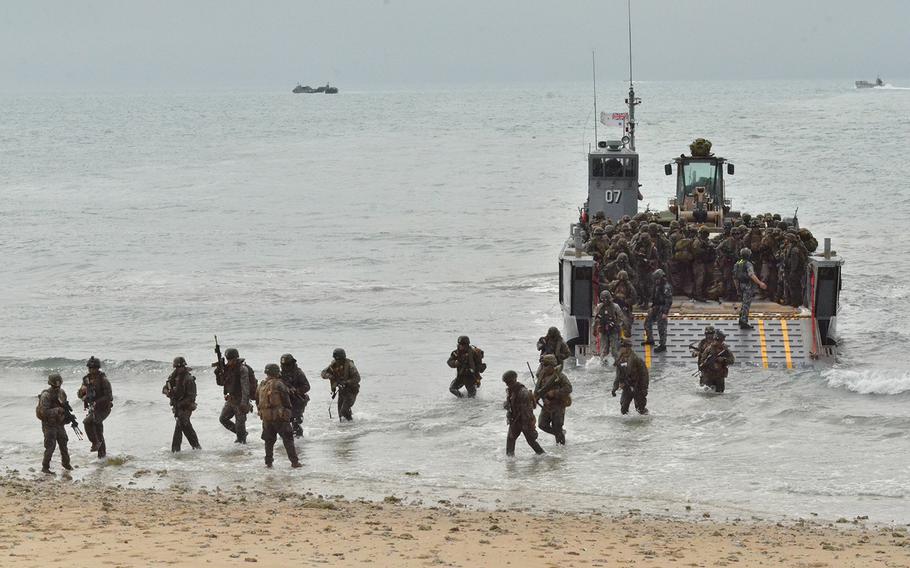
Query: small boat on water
{"x": 867, "y": 85}
{"x": 306, "y": 89}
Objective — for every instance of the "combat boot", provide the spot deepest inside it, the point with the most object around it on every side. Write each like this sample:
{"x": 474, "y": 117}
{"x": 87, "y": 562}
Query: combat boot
{"x": 660, "y": 348}
{"x": 745, "y": 325}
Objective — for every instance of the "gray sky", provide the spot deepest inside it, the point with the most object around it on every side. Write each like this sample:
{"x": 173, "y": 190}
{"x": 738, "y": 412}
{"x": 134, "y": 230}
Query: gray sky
{"x": 110, "y": 44}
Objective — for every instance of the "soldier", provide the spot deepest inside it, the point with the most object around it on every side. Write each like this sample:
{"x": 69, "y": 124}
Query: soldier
{"x": 597, "y": 246}
{"x": 726, "y": 258}
{"x": 273, "y": 399}
{"x": 632, "y": 378}
{"x": 703, "y": 256}
{"x": 713, "y": 363}
{"x": 663, "y": 245}
{"x": 661, "y": 301}
{"x": 746, "y": 280}
{"x": 611, "y": 270}
{"x": 625, "y": 296}
{"x": 698, "y": 349}
{"x": 608, "y": 319}
{"x": 646, "y": 261}
{"x": 97, "y": 398}
{"x": 681, "y": 261}
{"x": 554, "y": 389}
{"x": 53, "y": 412}
{"x": 295, "y": 379}
{"x": 344, "y": 381}
{"x": 553, "y": 344}
{"x": 519, "y": 407}
{"x": 180, "y": 387}
{"x": 236, "y": 378}
{"x": 468, "y": 362}
{"x": 797, "y": 257}
{"x": 769, "y": 246}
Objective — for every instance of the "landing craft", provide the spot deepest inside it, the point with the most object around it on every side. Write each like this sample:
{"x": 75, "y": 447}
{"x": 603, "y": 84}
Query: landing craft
{"x": 784, "y": 336}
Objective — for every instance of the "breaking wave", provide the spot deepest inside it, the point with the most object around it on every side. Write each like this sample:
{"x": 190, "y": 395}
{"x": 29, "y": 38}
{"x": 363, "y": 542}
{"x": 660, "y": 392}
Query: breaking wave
{"x": 869, "y": 381}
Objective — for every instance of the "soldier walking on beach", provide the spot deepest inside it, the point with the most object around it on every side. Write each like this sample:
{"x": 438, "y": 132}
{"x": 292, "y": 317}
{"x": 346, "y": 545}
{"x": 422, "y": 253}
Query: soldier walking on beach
{"x": 661, "y": 302}
{"x": 467, "y": 360}
{"x": 273, "y": 400}
{"x": 519, "y": 407}
{"x": 180, "y": 387}
{"x": 713, "y": 363}
{"x": 345, "y": 382}
{"x": 97, "y": 398}
{"x": 295, "y": 379}
{"x": 553, "y": 344}
{"x": 237, "y": 378}
{"x": 53, "y": 412}
{"x": 554, "y": 390}
{"x": 632, "y": 378}
{"x": 746, "y": 280}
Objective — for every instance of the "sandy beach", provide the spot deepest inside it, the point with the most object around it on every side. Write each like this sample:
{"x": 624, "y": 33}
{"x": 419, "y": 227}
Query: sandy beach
{"x": 53, "y": 521}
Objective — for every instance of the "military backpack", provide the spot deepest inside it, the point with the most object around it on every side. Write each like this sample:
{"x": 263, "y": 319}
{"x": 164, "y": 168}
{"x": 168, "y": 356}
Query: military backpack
{"x": 271, "y": 406}
{"x": 682, "y": 251}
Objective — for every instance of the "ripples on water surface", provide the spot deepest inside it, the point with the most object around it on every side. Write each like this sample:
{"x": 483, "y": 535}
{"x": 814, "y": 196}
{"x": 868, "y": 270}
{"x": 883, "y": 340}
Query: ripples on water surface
{"x": 136, "y": 226}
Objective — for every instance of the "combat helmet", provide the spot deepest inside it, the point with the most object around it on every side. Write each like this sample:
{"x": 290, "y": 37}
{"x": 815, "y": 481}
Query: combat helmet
{"x": 272, "y": 370}
{"x": 745, "y": 252}
{"x": 659, "y": 273}
{"x": 622, "y": 258}
{"x": 339, "y": 354}
{"x": 288, "y": 360}
{"x": 93, "y": 363}
{"x": 179, "y": 362}
{"x": 622, "y": 275}
{"x": 54, "y": 379}
{"x": 509, "y": 376}
{"x": 703, "y": 230}
{"x": 709, "y": 330}
{"x": 606, "y": 296}
{"x": 719, "y": 335}
{"x": 231, "y": 353}
{"x": 549, "y": 360}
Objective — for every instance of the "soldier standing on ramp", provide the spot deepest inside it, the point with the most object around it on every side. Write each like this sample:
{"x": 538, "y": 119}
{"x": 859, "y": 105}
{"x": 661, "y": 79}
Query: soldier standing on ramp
{"x": 273, "y": 399}
{"x": 519, "y": 407}
{"x": 661, "y": 302}
{"x": 746, "y": 280}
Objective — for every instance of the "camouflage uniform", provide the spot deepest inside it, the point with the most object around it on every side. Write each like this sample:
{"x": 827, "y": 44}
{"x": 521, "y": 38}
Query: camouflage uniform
{"x": 236, "y": 383}
{"x": 180, "y": 387}
{"x": 768, "y": 249}
{"x": 681, "y": 261}
{"x": 519, "y": 407}
{"x": 608, "y": 320}
{"x": 727, "y": 253}
{"x": 746, "y": 271}
{"x": 295, "y": 379}
{"x": 468, "y": 368}
{"x": 661, "y": 302}
{"x": 646, "y": 261}
{"x": 343, "y": 376}
{"x": 797, "y": 257}
{"x": 625, "y": 296}
{"x": 97, "y": 398}
{"x": 703, "y": 255}
{"x": 713, "y": 363}
{"x": 553, "y": 344}
{"x": 52, "y": 413}
{"x": 273, "y": 399}
{"x": 554, "y": 389}
{"x": 632, "y": 378}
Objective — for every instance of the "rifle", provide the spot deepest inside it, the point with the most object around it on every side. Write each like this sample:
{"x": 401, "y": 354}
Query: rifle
{"x": 708, "y": 360}
{"x": 72, "y": 421}
{"x": 533, "y": 379}
{"x": 219, "y": 365}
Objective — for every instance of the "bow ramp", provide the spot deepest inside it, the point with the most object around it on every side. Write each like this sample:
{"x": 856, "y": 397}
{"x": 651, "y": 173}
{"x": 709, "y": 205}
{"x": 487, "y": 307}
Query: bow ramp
{"x": 782, "y": 336}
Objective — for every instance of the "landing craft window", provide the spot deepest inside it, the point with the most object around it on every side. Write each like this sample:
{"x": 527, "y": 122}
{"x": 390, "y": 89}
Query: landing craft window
{"x": 602, "y": 167}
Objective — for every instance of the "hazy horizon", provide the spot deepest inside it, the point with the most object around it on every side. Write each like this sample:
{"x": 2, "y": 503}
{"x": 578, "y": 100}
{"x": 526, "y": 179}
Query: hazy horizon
{"x": 109, "y": 45}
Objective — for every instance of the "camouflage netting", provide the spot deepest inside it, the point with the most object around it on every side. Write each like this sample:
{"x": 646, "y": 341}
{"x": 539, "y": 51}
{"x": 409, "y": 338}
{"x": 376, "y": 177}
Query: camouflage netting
{"x": 701, "y": 147}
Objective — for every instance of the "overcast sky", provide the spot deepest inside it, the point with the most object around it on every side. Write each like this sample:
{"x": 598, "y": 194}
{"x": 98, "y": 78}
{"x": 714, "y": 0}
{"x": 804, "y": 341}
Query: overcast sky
{"x": 110, "y": 44}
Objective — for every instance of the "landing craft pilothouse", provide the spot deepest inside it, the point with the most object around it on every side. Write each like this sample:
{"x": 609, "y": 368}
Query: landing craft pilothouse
{"x": 798, "y": 334}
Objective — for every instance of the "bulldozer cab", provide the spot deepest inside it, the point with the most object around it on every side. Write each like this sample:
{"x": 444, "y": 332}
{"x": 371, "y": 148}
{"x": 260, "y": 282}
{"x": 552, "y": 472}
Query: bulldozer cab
{"x": 700, "y": 194}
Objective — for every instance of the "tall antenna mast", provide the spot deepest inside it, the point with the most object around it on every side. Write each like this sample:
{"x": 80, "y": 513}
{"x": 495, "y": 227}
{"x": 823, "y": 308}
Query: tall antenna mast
{"x": 594, "y": 73}
{"x": 631, "y": 101}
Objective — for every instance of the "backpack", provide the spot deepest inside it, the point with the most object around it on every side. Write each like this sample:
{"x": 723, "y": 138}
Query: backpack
{"x": 270, "y": 404}
{"x": 254, "y": 384}
{"x": 39, "y": 411}
{"x": 682, "y": 252}
{"x": 478, "y": 355}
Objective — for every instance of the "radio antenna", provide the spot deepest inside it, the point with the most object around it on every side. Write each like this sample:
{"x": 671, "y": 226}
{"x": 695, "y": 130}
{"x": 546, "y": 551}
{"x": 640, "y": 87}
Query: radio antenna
{"x": 594, "y": 74}
{"x": 631, "y": 101}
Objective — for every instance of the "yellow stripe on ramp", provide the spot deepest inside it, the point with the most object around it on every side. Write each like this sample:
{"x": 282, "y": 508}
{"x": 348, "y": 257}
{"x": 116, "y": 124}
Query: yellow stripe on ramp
{"x": 648, "y": 356}
{"x": 786, "y": 335}
{"x": 764, "y": 349}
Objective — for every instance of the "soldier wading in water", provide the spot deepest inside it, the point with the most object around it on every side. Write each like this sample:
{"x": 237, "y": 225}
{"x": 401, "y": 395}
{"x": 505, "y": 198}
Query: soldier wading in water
{"x": 97, "y": 398}
{"x": 239, "y": 384}
{"x": 632, "y": 378}
{"x": 467, "y": 360}
{"x": 180, "y": 387}
{"x": 298, "y": 386}
{"x": 519, "y": 407}
{"x": 344, "y": 381}
{"x": 53, "y": 411}
{"x": 713, "y": 363}
{"x": 273, "y": 399}
{"x": 553, "y": 389}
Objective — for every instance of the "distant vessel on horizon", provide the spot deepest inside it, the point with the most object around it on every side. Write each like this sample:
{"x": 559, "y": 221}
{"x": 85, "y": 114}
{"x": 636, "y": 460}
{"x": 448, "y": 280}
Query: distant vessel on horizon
{"x": 327, "y": 89}
{"x": 867, "y": 85}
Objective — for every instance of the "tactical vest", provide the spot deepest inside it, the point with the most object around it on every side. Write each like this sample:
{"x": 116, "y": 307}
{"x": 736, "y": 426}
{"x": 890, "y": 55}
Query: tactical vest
{"x": 682, "y": 251}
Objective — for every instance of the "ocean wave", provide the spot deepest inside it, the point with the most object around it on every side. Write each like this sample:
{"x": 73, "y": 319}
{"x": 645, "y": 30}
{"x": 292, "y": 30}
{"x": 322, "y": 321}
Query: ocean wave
{"x": 869, "y": 381}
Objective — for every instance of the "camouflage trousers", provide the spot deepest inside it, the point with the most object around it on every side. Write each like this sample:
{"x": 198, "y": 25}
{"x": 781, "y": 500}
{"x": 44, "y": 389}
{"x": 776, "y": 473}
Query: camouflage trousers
{"x": 238, "y": 426}
{"x": 551, "y": 419}
{"x": 656, "y": 314}
{"x": 54, "y": 435}
{"x": 639, "y": 395}
{"x": 465, "y": 380}
{"x": 530, "y": 433}
{"x": 701, "y": 276}
{"x": 347, "y": 396}
{"x": 271, "y": 430}
{"x": 183, "y": 427}
{"x": 769, "y": 277}
{"x": 747, "y": 294}
{"x": 94, "y": 430}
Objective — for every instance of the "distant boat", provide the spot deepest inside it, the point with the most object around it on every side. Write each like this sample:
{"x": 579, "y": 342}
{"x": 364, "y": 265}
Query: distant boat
{"x": 327, "y": 89}
{"x": 867, "y": 85}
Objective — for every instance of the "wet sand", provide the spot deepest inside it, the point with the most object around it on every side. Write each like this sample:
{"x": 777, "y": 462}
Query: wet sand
{"x": 55, "y": 522}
